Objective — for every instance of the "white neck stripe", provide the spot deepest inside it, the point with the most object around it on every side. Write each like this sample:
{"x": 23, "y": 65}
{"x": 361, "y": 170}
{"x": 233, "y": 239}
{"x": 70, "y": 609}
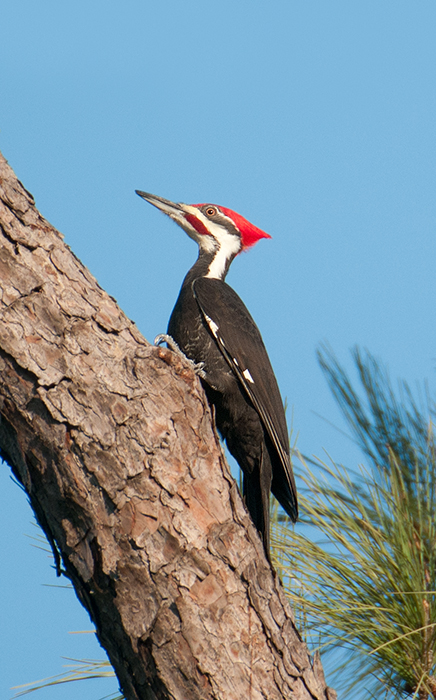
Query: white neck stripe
{"x": 229, "y": 246}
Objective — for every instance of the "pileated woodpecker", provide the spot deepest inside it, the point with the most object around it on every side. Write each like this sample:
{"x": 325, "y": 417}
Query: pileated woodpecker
{"x": 213, "y": 328}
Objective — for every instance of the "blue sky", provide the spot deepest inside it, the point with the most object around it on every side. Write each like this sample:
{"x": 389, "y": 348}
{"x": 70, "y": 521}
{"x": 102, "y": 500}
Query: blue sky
{"x": 315, "y": 120}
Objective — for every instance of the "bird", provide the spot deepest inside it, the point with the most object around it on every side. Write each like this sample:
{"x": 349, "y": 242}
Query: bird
{"x": 213, "y": 328}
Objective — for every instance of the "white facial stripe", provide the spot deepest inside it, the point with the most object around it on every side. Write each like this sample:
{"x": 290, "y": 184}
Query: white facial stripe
{"x": 205, "y": 242}
{"x": 220, "y": 240}
{"x": 247, "y": 375}
{"x": 229, "y": 246}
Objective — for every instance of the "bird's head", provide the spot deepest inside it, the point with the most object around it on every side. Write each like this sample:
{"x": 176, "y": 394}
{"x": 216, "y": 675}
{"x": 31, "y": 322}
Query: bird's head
{"x": 217, "y": 230}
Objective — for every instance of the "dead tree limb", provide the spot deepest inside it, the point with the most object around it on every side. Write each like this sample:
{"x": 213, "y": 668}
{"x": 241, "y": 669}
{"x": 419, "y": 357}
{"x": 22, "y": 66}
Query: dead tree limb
{"x": 113, "y": 442}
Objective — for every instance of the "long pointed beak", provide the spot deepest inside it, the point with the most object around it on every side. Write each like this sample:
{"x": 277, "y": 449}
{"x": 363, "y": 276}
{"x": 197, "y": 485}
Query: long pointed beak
{"x": 170, "y": 208}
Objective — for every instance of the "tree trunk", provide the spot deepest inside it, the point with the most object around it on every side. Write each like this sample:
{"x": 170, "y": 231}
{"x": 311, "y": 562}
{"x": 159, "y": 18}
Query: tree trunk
{"x": 112, "y": 439}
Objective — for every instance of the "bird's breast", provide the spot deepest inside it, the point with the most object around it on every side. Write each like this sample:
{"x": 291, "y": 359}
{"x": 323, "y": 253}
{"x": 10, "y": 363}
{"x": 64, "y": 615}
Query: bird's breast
{"x": 191, "y": 333}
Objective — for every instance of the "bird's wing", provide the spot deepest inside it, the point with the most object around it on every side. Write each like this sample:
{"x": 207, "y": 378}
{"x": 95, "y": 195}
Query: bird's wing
{"x": 240, "y": 342}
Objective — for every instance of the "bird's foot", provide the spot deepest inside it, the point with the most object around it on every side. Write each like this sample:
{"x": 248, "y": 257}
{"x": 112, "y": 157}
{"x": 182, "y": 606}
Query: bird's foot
{"x": 198, "y": 367}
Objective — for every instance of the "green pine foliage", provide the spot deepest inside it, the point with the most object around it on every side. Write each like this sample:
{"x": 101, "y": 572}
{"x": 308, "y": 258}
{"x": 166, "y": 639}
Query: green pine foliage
{"x": 361, "y": 572}
{"x": 78, "y": 670}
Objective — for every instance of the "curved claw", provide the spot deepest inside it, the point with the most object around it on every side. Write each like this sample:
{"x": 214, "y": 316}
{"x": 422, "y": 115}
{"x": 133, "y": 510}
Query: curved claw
{"x": 165, "y": 338}
{"x": 198, "y": 367}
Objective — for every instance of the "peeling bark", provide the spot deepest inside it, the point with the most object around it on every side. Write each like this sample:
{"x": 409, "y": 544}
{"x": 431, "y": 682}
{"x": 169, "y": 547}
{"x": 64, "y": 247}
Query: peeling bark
{"x": 113, "y": 442}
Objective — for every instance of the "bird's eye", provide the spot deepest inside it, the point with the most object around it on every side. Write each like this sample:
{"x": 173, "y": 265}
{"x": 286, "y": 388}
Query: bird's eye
{"x": 210, "y": 211}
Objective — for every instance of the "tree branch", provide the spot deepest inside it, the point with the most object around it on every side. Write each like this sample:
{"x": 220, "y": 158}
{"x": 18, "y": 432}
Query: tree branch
{"x": 113, "y": 442}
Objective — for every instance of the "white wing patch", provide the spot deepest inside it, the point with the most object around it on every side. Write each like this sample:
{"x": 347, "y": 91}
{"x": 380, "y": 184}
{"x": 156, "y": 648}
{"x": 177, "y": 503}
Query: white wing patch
{"x": 212, "y": 325}
{"x": 215, "y": 328}
{"x": 247, "y": 375}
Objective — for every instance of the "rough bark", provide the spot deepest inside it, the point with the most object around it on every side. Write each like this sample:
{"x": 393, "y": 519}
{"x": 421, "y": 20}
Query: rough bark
{"x": 113, "y": 442}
